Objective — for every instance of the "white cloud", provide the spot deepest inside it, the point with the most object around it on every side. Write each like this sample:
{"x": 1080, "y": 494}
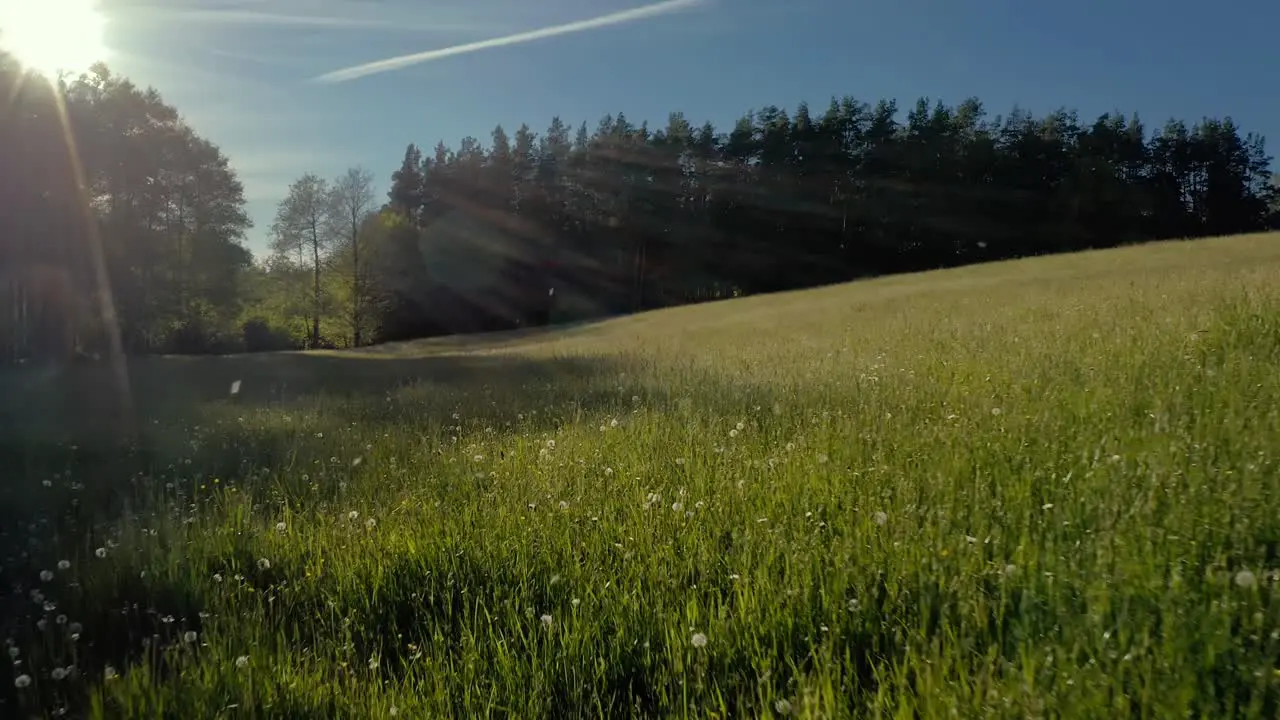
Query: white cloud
{"x": 617, "y": 18}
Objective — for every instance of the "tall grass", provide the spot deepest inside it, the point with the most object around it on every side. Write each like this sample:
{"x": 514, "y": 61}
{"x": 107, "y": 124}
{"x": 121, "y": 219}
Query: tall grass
{"x": 1034, "y": 489}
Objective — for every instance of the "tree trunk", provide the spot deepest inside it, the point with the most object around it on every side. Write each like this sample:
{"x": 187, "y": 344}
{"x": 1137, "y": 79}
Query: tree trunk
{"x": 355, "y": 281}
{"x": 315, "y": 297}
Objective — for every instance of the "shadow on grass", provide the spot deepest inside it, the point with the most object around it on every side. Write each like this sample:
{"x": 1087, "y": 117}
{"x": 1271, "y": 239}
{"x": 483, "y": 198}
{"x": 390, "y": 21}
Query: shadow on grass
{"x": 89, "y": 404}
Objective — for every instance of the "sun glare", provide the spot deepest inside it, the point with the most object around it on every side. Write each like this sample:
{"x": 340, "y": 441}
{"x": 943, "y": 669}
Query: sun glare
{"x": 53, "y": 36}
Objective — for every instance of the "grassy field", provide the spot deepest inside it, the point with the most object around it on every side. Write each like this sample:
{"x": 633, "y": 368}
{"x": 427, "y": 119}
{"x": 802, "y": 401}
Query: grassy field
{"x": 1044, "y": 488}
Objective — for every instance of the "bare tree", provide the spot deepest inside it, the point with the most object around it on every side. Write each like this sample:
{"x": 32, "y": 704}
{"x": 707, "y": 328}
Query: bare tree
{"x": 351, "y": 201}
{"x": 303, "y": 225}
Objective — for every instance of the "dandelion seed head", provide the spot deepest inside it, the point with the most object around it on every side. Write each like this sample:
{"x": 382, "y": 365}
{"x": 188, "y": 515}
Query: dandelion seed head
{"x": 880, "y": 517}
{"x": 353, "y": 515}
{"x": 46, "y": 576}
{"x": 189, "y": 636}
{"x": 64, "y": 564}
{"x": 264, "y": 564}
{"x": 109, "y": 673}
{"x": 677, "y": 506}
{"x": 242, "y": 661}
{"x": 782, "y": 707}
{"x": 281, "y": 527}
{"x": 547, "y": 620}
{"x": 100, "y": 552}
{"x": 22, "y": 681}
{"x": 370, "y": 524}
{"x": 1246, "y": 579}
{"x": 698, "y": 640}
{"x": 58, "y": 674}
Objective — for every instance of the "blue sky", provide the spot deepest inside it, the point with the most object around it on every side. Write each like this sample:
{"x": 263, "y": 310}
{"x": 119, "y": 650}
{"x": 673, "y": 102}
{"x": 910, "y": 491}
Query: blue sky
{"x": 243, "y": 71}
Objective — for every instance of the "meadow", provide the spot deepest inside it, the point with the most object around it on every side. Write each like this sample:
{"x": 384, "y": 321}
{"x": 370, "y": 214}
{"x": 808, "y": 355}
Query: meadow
{"x": 1040, "y": 488}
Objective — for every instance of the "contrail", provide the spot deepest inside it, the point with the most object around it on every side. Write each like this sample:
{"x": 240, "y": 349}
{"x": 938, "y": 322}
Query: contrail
{"x": 618, "y": 18}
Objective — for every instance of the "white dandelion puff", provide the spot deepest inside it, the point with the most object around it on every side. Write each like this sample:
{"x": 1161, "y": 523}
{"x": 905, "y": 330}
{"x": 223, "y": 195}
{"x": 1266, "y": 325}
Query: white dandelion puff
{"x": 64, "y": 564}
{"x": 370, "y": 524}
{"x": 109, "y": 673}
{"x": 242, "y": 661}
{"x": 189, "y": 636}
{"x": 880, "y": 517}
{"x": 741, "y": 427}
{"x": 698, "y": 640}
{"x": 353, "y": 515}
{"x": 564, "y": 504}
{"x": 1246, "y": 579}
{"x": 46, "y": 576}
{"x": 782, "y": 707}
{"x": 281, "y": 527}
{"x": 100, "y": 552}
{"x": 58, "y": 674}
{"x": 22, "y": 681}
{"x": 677, "y": 506}
{"x": 547, "y": 620}
{"x": 235, "y": 387}
{"x": 733, "y": 433}
{"x": 264, "y": 564}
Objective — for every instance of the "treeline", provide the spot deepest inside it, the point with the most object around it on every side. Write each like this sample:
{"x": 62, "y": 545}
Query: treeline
{"x": 119, "y": 225}
{"x": 625, "y": 217}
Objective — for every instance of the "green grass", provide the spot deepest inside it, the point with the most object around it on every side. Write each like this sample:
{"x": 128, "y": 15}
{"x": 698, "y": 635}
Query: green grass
{"x": 1045, "y": 488}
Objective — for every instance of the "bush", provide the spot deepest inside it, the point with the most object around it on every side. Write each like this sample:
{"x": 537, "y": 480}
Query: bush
{"x": 260, "y": 336}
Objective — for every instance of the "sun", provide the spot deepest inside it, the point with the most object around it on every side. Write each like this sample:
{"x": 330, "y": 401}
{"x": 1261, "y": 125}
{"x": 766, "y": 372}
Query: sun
{"x": 53, "y": 36}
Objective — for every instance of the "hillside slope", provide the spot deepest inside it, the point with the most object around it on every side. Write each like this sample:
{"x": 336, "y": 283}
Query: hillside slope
{"x": 1037, "y": 488}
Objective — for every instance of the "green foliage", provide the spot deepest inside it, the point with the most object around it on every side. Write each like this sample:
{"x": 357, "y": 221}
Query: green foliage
{"x": 122, "y": 227}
